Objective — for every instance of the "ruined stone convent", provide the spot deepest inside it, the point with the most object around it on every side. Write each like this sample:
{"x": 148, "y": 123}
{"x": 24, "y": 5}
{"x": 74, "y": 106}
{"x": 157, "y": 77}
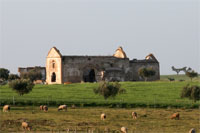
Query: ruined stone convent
{"x": 61, "y": 68}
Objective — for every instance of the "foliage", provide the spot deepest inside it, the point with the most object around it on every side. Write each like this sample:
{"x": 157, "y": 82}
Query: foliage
{"x": 4, "y": 73}
{"x": 192, "y": 74}
{"x": 21, "y": 86}
{"x": 108, "y": 89}
{"x": 191, "y": 92}
{"x": 13, "y": 77}
{"x": 146, "y": 72}
{"x": 33, "y": 75}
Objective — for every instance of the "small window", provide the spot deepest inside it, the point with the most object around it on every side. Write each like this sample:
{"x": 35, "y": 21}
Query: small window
{"x": 53, "y": 64}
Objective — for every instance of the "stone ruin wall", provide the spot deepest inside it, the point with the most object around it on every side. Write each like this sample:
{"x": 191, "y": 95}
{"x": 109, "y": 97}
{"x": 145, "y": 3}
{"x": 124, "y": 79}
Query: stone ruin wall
{"x": 75, "y": 66}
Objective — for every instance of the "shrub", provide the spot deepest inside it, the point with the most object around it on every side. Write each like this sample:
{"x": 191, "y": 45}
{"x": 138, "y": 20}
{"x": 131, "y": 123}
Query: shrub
{"x": 191, "y": 92}
{"x": 192, "y": 74}
{"x": 108, "y": 89}
{"x": 21, "y": 86}
{"x": 146, "y": 72}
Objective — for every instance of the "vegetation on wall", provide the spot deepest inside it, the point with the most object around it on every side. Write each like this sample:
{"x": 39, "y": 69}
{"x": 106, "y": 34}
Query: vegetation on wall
{"x": 146, "y": 73}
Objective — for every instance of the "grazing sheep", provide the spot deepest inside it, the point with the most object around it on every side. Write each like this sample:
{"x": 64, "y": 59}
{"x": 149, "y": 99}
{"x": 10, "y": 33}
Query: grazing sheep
{"x": 134, "y": 115}
{"x": 26, "y": 126}
{"x": 175, "y": 116}
{"x": 124, "y": 130}
{"x": 62, "y": 107}
{"x": 41, "y": 107}
{"x": 45, "y": 108}
{"x": 6, "y": 108}
{"x": 103, "y": 116}
{"x": 192, "y": 130}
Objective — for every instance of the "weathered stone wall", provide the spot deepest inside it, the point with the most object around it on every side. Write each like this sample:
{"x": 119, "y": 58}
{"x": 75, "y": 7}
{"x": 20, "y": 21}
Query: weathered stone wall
{"x": 75, "y": 67}
{"x": 135, "y": 66}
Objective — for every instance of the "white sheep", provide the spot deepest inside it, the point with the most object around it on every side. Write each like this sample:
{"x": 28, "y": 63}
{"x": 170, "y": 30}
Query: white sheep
{"x": 26, "y": 126}
{"x": 6, "y": 108}
{"x": 134, "y": 115}
{"x": 124, "y": 130}
{"x": 62, "y": 107}
{"x": 103, "y": 116}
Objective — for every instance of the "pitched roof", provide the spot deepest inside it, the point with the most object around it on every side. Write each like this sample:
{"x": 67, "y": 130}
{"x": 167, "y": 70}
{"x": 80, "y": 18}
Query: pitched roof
{"x": 151, "y": 57}
{"x": 57, "y": 51}
{"x": 119, "y": 53}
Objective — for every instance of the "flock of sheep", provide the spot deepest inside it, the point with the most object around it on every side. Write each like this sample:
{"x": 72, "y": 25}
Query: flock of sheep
{"x": 44, "y": 108}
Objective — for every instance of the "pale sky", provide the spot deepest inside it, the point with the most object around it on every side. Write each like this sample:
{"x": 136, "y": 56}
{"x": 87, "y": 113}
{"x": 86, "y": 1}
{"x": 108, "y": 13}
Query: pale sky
{"x": 170, "y": 29}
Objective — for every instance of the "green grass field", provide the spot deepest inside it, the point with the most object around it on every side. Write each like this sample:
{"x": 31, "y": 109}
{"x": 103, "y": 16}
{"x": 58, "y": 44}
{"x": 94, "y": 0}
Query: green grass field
{"x": 161, "y": 94}
{"x": 85, "y": 119}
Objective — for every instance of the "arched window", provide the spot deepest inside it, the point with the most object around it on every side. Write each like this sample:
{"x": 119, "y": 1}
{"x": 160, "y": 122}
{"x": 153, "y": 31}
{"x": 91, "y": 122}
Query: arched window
{"x": 53, "y": 77}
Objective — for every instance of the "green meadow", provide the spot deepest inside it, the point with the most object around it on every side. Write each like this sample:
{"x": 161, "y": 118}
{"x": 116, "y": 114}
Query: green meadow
{"x": 157, "y": 94}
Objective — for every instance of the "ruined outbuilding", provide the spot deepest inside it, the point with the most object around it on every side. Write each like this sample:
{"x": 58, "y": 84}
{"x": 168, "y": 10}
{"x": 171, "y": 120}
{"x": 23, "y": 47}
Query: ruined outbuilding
{"x": 61, "y": 68}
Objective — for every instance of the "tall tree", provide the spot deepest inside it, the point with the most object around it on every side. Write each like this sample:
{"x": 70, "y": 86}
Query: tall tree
{"x": 192, "y": 74}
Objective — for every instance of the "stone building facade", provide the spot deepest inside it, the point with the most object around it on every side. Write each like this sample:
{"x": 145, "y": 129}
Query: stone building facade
{"x": 42, "y": 70}
{"x": 61, "y": 69}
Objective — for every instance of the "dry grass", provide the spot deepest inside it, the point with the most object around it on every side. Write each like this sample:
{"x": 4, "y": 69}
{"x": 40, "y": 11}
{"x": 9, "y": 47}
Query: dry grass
{"x": 85, "y": 119}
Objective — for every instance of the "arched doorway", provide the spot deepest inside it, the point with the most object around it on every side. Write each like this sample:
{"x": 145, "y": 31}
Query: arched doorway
{"x": 89, "y": 75}
{"x": 53, "y": 77}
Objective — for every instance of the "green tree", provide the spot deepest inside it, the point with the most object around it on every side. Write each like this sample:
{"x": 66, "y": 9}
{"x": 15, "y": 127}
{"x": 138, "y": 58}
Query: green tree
{"x": 32, "y": 75}
{"x": 191, "y": 92}
{"x": 4, "y": 73}
{"x": 21, "y": 86}
{"x": 146, "y": 73}
{"x": 13, "y": 77}
{"x": 192, "y": 74}
{"x": 108, "y": 89}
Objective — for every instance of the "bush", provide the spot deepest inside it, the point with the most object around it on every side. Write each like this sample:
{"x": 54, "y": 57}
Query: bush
{"x": 146, "y": 73}
{"x": 108, "y": 89}
{"x": 21, "y": 86}
{"x": 191, "y": 92}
